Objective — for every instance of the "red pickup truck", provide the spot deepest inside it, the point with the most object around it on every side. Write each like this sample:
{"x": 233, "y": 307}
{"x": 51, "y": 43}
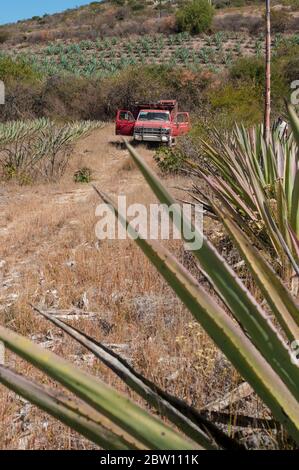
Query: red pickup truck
{"x": 153, "y": 122}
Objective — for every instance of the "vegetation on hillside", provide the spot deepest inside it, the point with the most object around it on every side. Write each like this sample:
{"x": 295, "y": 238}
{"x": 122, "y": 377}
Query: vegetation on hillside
{"x": 131, "y": 17}
{"x": 235, "y": 94}
{"x": 195, "y": 16}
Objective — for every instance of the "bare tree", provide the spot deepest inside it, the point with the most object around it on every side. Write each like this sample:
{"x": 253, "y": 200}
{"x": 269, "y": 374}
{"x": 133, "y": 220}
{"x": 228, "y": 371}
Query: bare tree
{"x": 160, "y": 7}
{"x": 267, "y": 114}
{"x": 165, "y": 5}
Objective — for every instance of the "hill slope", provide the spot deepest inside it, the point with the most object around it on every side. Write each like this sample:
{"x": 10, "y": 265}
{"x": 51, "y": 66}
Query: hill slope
{"x": 133, "y": 17}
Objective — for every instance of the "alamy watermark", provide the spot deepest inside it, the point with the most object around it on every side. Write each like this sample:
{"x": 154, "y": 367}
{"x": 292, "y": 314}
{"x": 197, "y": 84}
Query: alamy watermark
{"x": 155, "y": 222}
{"x": 2, "y": 92}
{"x": 2, "y": 354}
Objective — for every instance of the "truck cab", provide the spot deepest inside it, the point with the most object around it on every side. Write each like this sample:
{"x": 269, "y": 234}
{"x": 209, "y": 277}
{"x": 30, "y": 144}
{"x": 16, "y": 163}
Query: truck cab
{"x": 153, "y": 122}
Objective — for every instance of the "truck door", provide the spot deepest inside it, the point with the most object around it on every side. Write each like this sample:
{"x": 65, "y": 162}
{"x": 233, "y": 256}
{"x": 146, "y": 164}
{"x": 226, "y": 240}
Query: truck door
{"x": 125, "y": 123}
{"x": 183, "y": 123}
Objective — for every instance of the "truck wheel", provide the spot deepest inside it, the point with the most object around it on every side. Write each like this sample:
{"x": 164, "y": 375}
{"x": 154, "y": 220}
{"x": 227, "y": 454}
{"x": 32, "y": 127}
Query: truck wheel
{"x": 171, "y": 142}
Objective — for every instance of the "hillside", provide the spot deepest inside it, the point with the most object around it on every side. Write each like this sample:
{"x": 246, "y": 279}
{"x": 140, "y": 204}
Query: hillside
{"x": 133, "y": 17}
{"x": 116, "y": 51}
{"x": 101, "y": 38}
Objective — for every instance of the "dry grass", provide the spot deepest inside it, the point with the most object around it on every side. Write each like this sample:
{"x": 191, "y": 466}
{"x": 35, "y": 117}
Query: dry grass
{"x": 52, "y": 259}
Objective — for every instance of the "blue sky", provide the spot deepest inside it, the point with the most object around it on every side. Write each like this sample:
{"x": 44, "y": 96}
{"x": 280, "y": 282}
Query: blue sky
{"x": 14, "y": 10}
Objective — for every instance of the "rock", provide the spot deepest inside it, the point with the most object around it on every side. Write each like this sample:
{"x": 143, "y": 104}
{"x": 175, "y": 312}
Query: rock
{"x": 117, "y": 297}
{"x": 97, "y": 245}
{"x": 83, "y": 302}
{"x": 70, "y": 264}
{"x": 174, "y": 376}
{"x": 11, "y": 298}
{"x": 23, "y": 443}
{"x": 52, "y": 298}
{"x": 74, "y": 222}
{"x": 146, "y": 306}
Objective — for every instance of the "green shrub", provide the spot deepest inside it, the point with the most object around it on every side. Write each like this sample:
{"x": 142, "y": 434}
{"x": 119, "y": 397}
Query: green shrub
{"x": 237, "y": 3}
{"x": 250, "y": 72}
{"x": 4, "y": 36}
{"x": 137, "y": 7}
{"x": 287, "y": 63}
{"x": 248, "y": 68}
{"x": 169, "y": 160}
{"x": 17, "y": 70}
{"x": 279, "y": 20}
{"x": 195, "y": 17}
{"x": 237, "y": 103}
{"x": 294, "y": 4}
{"x": 83, "y": 175}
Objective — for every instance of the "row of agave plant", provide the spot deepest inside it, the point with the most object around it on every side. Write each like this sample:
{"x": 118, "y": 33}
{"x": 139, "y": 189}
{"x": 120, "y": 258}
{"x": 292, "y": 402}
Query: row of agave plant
{"x": 257, "y": 344}
{"x": 38, "y": 148}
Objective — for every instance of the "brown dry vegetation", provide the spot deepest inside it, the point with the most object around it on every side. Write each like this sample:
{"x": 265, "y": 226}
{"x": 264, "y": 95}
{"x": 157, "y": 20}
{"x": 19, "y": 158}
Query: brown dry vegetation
{"x": 50, "y": 257}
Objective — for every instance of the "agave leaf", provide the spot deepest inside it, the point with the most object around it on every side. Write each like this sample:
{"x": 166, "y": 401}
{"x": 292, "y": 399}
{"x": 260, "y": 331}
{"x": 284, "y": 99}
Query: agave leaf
{"x": 295, "y": 205}
{"x": 294, "y": 121}
{"x": 285, "y": 247}
{"x": 295, "y": 241}
{"x": 277, "y": 296}
{"x": 75, "y": 414}
{"x": 236, "y": 216}
{"x": 256, "y": 169}
{"x": 265, "y": 213}
{"x": 116, "y": 407}
{"x": 241, "y": 303}
{"x": 232, "y": 174}
{"x": 235, "y": 201}
{"x": 289, "y": 175}
{"x": 184, "y": 417}
{"x": 281, "y": 210}
{"x": 222, "y": 329}
{"x": 220, "y": 187}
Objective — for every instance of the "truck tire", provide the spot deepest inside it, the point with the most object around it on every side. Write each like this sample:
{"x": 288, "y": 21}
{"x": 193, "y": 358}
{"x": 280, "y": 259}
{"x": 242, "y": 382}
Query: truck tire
{"x": 171, "y": 142}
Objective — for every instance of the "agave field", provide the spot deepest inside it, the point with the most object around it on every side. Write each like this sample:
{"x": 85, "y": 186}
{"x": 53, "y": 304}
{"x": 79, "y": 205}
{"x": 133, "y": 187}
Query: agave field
{"x": 105, "y": 57}
{"x": 38, "y": 148}
{"x": 254, "y": 194}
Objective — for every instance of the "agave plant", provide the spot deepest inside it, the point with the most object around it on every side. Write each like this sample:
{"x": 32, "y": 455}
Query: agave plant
{"x": 259, "y": 186}
{"x": 39, "y": 146}
{"x": 244, "y": 331}
{"x": 15, "y": 130}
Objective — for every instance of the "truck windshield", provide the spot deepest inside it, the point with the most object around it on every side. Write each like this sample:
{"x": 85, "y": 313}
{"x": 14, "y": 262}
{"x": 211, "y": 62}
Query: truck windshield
{"x": 150, "y": 116}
